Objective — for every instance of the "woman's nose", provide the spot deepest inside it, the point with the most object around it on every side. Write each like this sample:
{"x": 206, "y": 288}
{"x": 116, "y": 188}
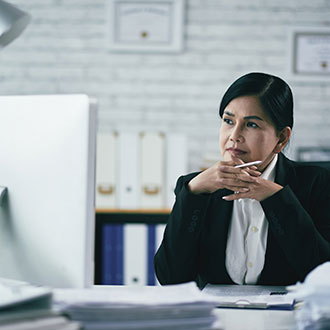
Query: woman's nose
{"x": 236, "y": 135}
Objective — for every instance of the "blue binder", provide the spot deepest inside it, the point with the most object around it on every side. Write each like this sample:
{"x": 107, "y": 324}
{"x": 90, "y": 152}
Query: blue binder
{"x": 112, "y": 254}
{"x": 151, "y": 252}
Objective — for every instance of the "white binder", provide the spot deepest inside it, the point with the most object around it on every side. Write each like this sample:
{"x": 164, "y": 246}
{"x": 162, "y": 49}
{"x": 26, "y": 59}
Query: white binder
{"x": 128, "y": 165}
{"x": 160, "y": 228}
{"x": 159, "y": 237}
{"x": 135, "y": 254}
{"x": 176, "y": 163}
{"x": 106, "y": 170}
{"x": 152, "y": 171}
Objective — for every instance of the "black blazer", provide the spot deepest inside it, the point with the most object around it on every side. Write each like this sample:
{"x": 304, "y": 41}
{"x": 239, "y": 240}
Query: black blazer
{"x": 195, "y": 239}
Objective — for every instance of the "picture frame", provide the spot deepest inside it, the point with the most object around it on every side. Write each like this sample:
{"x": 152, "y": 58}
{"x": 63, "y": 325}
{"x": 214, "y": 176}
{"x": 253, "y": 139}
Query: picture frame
{"x": 146, "y": 26}
{"x": 309, "y": 53}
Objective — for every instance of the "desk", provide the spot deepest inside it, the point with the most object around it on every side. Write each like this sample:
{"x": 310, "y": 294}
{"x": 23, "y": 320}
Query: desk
{"x": 252, "y": 319}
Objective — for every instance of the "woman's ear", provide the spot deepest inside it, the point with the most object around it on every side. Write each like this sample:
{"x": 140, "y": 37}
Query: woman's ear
{"x": 284, "y": 136}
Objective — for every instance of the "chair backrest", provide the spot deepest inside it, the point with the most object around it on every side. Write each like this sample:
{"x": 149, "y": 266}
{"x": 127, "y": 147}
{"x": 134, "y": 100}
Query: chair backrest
{"x": 325, "y": 164}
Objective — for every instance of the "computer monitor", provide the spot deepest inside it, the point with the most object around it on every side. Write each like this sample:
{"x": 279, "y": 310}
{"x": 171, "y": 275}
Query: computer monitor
{"x": 47, "y": 163}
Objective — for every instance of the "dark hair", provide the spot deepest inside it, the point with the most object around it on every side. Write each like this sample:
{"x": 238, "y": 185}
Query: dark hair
{"x": 274, "y": 94}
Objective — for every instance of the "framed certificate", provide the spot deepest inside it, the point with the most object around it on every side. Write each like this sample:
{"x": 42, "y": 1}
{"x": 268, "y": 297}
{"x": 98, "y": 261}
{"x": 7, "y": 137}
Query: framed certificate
{"x": 310, "y": 53}
{"x": 146, "y": 25}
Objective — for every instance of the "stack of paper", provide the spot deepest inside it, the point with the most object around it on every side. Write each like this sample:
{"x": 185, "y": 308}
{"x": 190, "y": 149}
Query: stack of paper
{"x": 180, "y": 306}
{"x": 315, "y": 292}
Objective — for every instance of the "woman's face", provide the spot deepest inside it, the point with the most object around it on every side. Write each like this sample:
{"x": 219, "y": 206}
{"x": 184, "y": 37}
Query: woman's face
{"x": 247, "y": 133}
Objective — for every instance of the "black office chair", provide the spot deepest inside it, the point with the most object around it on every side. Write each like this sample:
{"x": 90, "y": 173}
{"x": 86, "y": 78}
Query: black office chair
{"x": 304, "y": 154}
{"x": 325, "y": 164}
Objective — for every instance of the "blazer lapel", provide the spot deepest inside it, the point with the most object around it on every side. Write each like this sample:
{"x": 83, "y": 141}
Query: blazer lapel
{"x": 283, "y": 167}
{"x": 274, "y": 257}
{"x": 215, "y": 238}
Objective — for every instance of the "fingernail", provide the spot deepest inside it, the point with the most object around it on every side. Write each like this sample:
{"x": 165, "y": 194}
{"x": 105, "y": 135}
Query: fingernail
{"x": 245, "y": 189}
{"x": 225, "y": 198}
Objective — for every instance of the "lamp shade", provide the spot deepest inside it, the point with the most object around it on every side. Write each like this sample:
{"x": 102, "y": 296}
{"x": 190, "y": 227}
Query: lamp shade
{"x": 12, "y": 22}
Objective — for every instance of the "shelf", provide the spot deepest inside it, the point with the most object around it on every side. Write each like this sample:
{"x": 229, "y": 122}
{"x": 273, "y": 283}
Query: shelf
{"x": 132, "y": 211}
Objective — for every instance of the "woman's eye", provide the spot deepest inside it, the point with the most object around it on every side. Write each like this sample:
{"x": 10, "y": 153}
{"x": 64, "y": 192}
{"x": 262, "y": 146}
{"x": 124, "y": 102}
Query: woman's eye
{"x": 253, "y": 125}
{"x": 228, "y": 121}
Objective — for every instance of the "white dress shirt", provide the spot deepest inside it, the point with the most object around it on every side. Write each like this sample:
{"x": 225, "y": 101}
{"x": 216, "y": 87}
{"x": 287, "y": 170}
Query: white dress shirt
{"x": 247, "y": 237}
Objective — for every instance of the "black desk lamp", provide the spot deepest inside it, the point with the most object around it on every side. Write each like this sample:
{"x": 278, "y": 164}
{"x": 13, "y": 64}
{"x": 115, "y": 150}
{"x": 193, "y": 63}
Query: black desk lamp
{"x": 12, "y": 23}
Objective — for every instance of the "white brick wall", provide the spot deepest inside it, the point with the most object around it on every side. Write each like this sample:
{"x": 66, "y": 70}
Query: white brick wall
{"x": 64, "y": 50}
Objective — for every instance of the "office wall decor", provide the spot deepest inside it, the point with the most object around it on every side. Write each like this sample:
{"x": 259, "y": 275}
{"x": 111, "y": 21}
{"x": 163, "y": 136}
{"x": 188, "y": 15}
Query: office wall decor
{"x": 310, "y": 53}
{"x": 146, "y": 26}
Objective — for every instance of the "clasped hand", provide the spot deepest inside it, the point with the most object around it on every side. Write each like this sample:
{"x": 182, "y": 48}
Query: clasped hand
{"x": 244, "y": 182}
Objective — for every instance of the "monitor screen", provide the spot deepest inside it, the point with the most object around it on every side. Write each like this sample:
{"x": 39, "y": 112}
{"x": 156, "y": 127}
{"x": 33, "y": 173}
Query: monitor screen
{"x": 47, "y": 163}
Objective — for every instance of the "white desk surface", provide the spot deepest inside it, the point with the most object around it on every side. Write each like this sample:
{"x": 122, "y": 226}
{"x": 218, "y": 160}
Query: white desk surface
{"x": 252, "y": 319}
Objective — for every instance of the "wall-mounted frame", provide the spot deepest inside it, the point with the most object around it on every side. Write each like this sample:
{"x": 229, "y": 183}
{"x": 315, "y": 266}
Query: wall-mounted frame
{"x": 146, "y": 26}
{"x": 309, "y": 53}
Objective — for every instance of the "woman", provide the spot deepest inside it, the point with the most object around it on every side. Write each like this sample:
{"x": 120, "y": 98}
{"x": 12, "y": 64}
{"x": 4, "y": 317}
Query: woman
{"x": 265, "y": 224}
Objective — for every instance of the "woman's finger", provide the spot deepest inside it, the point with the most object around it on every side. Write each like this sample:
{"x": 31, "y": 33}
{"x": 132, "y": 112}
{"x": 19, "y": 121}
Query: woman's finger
{"x": 231, "y": 169}
{"x": 253, "y": 172}
{"x": 237, "y": 161}
{"x": 232, "y": 182}
{"x": 234, "y": 185}
{"x": 237, "y": 179}
{"x": 247, "y": 178}
{"x": 236, "y": 196}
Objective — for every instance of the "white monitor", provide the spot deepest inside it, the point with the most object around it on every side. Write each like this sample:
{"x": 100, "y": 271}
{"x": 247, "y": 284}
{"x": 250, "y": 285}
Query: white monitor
{"x": 47, "y": 163}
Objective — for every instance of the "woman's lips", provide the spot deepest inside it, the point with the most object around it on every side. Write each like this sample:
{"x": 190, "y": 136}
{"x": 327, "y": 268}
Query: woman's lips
{"x": 236, "y": 151}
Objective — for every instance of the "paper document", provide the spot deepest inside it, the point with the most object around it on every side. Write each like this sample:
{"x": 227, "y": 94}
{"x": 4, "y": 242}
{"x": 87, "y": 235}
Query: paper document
{"x": 146, "y": 295}
{"x": 251, "y": 296}
{"x": 259, "y": 302}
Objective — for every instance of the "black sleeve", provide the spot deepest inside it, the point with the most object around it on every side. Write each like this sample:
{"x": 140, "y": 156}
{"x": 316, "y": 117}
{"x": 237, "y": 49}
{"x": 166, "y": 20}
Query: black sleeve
{"x": 301, "y": 226}
{"x": 176, "y": 260}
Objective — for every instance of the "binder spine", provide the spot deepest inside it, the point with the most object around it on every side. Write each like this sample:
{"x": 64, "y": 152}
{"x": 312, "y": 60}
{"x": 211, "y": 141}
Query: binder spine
{"x": 112, "y": 254}
{"x": 107, "y": 255}
{"x": 152, "y": 170}
{"x": 135, "y": 254}
{"x": 128, "y": 165}
{"x": 119, "y": 255}
{"x": 151, "y": 253}
{"x": 106, "y": 190}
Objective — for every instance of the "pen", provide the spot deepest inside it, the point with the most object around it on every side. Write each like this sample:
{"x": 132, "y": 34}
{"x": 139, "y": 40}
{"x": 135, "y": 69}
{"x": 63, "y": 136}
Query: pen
{"x": 248, "y": 164}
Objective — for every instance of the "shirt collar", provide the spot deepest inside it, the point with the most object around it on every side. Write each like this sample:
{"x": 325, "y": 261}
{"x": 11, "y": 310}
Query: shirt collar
{"x": 269, "y": 172}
